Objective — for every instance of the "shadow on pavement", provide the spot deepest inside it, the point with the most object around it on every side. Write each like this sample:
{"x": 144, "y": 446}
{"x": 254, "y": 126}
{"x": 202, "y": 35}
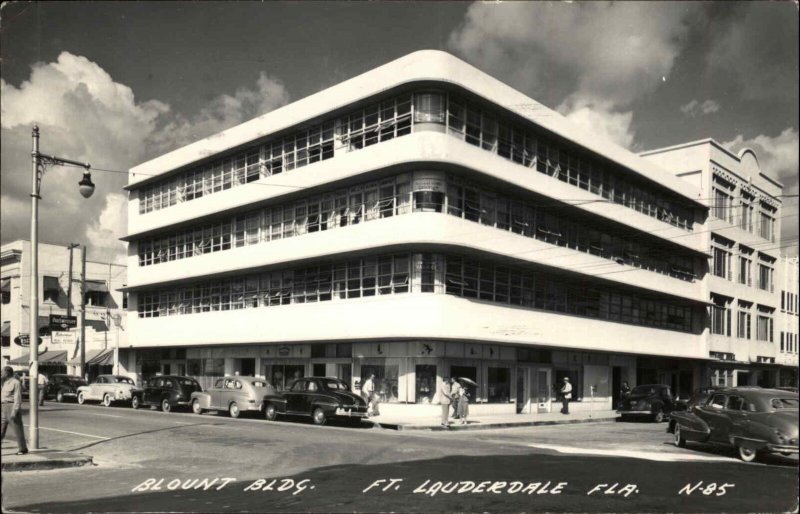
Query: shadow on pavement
{"x": 536, "y": 477}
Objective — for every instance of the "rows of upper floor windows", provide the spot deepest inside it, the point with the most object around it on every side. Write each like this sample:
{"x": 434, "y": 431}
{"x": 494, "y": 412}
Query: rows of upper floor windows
{"x": 789, "y": 303}
{"x": 725, "y": 252}
{"x": 417, "y": 273}
{"x": 398, "y": 116}
{"x": 418, "y": 192}
{"x": 789, "y": 342}
{"x": 741, "y": 205}
{"x": 722, "y": 313}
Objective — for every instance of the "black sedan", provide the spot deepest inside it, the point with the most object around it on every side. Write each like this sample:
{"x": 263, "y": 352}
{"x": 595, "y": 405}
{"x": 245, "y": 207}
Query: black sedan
{"x": 166, "y": 392}
{"x": 63, "y": 387}
{"x": 317, "y": 397}
{"x": 654, "y": 402}
{"x": 752, "y": 420}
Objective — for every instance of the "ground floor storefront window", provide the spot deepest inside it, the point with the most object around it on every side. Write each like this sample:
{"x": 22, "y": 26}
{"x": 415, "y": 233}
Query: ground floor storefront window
{"x": 470, "y": 372}
{"x": 425, "y": 383}
{"x": 385, "y": 381}
{"x": 281, "y": 376}
{"x": 205, "y": 371}
{"x": 499, "y": 385}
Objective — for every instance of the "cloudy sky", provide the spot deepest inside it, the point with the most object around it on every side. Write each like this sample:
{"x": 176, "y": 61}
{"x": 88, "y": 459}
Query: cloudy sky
{"x": 117, "y": 83}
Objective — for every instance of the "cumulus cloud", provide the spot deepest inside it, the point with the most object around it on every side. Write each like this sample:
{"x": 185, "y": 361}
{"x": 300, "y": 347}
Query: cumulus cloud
{"x": 600, "y": 119}
{"x": 85, "y": 115}
{"x": 593, "y": 59}
{"x": 695, "y": 108}
{"x": 778, "y": 157}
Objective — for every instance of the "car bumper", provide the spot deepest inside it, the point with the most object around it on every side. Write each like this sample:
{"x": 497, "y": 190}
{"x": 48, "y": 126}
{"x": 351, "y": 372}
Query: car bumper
{"x": 635, "y": 412}
{"x": 350, "y": 413}
{"x": 782, "y": 448}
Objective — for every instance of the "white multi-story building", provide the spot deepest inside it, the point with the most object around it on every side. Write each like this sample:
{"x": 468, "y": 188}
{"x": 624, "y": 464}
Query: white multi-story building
{"x": 742, "y": 234}
{"x": 786, "y": 322}
{"x": 418, "y": 221}
{"x": 106, "y": 313}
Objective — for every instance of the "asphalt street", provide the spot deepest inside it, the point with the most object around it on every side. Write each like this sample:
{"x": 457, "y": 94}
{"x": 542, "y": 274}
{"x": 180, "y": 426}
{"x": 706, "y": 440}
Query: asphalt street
{"x": 146, "y": 461}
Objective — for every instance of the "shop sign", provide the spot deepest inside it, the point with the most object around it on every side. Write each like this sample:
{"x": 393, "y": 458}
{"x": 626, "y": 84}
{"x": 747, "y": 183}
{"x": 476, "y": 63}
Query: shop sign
{"x": 25, "y": 340}
{"x": 59, "y": 322}
{"x": 435, "y": 184}
{"x": 65, "y": 338}
{"x": 284, "y": 351}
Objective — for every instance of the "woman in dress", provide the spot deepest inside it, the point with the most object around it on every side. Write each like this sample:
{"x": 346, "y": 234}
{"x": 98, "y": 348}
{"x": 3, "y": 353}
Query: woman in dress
{"x": 463, "y": 404}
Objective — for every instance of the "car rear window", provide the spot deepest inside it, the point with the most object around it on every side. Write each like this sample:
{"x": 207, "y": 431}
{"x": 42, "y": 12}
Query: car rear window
{"x": 188, "y": 382}
{"x": 123, "y": 380}
{"x": 258, "y": 383}
{"x": 335, "y": 385}
{"x": 784, "y": 403}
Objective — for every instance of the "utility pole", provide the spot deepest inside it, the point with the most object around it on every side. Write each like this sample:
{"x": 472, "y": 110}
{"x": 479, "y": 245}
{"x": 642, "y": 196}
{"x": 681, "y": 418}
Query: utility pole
{"x": 86, "y": 187}
{"x": 69, "y": 285}
{"x": 83, "y": 311}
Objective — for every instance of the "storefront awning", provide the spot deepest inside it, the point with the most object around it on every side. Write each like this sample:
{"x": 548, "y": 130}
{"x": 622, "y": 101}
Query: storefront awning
{"x": 48, "y": 357}
{"x": 6, "y": 330}
{"x": 5, "y": 285}
{"x": 92, "y": 286}
{"x": 99, "y": 357}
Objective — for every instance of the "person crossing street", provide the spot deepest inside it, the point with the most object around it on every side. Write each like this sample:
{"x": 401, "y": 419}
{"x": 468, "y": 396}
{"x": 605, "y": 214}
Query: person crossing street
{"x": 12, "y": 408}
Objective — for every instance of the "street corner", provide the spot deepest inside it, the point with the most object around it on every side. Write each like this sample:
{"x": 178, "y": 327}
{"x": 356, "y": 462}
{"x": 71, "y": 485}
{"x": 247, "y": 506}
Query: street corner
{"x": 37, "y": 460}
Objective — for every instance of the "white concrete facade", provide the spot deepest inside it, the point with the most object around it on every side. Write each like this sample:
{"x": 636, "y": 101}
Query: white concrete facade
{"x": 573, "y": 257}
{"x": 106, "y": 318}
{"x": 745, "y": 266}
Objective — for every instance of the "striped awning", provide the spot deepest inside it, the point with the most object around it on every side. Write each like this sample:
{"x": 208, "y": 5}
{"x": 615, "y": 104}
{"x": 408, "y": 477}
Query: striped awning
{"x": 99, "y": 357}
{"x": 48, "y": 357}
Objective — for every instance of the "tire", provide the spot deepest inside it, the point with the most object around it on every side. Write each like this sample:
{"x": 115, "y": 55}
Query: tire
{"x": 196, "y": 407}
{"x": 81, "y": 398}
{"x": 107, "y": 400}
{"x": 680, "y": 442}
{"x": 60, "y": 397}
{"x": 658, "y": 417}
{"x": 233, "y": 410}
{"x": 746, "y": 453}
{"x": 318, "y": 416}
{"x": 270, "y": 412}
{"x": 165, "y": 405}
{"x": 135, "y": 402}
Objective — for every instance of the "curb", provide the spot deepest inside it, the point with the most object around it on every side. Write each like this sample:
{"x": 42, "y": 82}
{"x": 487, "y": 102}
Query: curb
{"x": 487, "y": 426}
{"x": 44, "y": 463}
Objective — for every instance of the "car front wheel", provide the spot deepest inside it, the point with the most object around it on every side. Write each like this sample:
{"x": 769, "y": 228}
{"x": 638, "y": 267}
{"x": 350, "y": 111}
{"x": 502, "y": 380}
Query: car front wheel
{"x": 318, "y": 416}
{"x": 196, "y": 407}
{"x": 135, "y": 402}
{"x": 233, "y": 410}
{"x": 81, "y": 398}
{"x": 107, "y": 400}
{"x": 60, "y": 397}
{"x": 747, "y": 454}
{"x": 658, "y": 417}
{"x": 680, "y": 442}
{"x": 270, "y": 412}
{"x": 165, "y": 405}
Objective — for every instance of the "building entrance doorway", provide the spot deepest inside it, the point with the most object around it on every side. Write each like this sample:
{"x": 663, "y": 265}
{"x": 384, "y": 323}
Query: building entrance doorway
{"x": 533, "y": 389}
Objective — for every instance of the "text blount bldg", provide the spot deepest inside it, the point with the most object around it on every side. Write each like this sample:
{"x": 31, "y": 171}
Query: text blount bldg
{"x": 418, "y": 221}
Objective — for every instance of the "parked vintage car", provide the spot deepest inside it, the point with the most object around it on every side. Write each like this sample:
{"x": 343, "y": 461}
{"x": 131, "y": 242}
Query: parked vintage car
{"x": 653, "y": 401}
{"x": 318, "y": 397}
{"x": 108, "y": 389}
{"x": 63, "y": 387}
{"x": 233, "y": 394}
{"x": 167, "y": 392}
{"x": 752, "y": 420}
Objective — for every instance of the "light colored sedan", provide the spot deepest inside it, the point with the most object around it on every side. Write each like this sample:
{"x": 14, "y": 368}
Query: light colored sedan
{"x": 233, "y": 394}
{"x": 108, "y": 389}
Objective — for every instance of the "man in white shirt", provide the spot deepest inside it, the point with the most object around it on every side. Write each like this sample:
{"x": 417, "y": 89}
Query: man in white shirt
{"x": 566, "y": 396}
{"x": 42, "y": 381}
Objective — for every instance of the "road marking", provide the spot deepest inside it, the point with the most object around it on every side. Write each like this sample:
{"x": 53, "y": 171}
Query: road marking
{"x": 75, "y": 433}
{"x": 634, "y": 454}
{"x": 107, "y": 415}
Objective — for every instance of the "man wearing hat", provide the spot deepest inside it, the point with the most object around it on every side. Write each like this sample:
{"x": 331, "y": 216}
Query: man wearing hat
{"x": 12, "y": 408}
{"x": 566, "y": 396}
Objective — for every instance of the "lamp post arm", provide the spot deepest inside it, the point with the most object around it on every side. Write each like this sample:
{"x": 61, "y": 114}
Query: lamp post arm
{"x": 52, "y": 160}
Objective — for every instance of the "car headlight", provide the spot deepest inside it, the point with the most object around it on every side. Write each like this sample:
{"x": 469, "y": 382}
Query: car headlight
{"x": 780, "y": 436}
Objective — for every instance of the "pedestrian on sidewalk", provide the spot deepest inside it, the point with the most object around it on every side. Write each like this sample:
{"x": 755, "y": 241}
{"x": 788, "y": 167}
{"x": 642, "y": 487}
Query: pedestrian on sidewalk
{"x": 367, "y": 391}
{"x": 566, "y": 396}
{"x": 455, "y": 395}
{"x": 463, "y": 405}
{"x": 445, "y": 399}
{"x": 12, "y": 408}
{"x": 624, "y": 391}
{"x": 42, "y": 381}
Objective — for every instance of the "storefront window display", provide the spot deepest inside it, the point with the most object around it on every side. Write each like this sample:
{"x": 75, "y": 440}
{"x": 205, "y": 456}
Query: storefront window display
{"x": 205, "y": 371}
{"x": 470, "y": 372}
{"x": 499, "y": 385}
{"x": 425, "y": 383}
{"x": 386, "y": 380}
{"x": 282, "y": 375}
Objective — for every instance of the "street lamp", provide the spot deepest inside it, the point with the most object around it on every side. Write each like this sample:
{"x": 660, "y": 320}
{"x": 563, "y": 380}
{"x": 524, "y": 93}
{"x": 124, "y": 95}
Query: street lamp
{"x": 86, "y": 188}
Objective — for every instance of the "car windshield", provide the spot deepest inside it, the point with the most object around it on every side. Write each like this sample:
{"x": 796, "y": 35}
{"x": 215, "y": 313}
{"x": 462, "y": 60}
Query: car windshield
{"x": 645, "y": 389}
{"x": 784, "y": 403}
{"x": 75, "y": 381}
{"x": 335, "y": 385}
{"x": 123, "y": 380}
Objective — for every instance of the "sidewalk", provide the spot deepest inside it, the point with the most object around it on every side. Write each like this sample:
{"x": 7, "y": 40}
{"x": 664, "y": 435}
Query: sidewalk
{"x": 486, "y": 422}
{"x": 41, "y": 459}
